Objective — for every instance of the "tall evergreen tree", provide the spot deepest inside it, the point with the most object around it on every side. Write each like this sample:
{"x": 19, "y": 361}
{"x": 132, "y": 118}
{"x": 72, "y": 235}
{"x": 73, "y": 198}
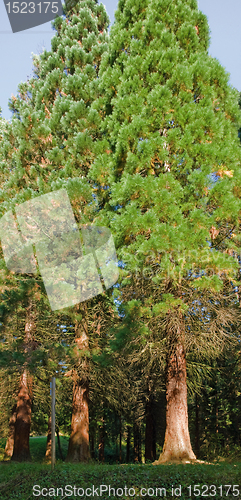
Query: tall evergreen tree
{"x": 169, "y": 179}
{"x": 50, "y": 143}
{"x": 22, "y": 425}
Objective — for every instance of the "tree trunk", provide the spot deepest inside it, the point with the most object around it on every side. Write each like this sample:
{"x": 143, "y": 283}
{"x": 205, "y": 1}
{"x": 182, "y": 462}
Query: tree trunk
{"x": 101, "y": 447}
{"x": 150, "y": 432}
{"x": 177, "y": 445}
{"x": 78, "y": 450}
{"x": 216, "y": 407}
{"x": 21, "y": 451}
{"x": 48, "y": 444}
{"x": 197, "y": 437}
{"x": 128, "y": 441}
{"x": 59, "y": 444}
{"x": 120, "y": 441}
{"x": 237, "y": 419}
{"x": 137, "y": 442}
{"x": 139, "y": 446}
{"x": 10, "y": 441}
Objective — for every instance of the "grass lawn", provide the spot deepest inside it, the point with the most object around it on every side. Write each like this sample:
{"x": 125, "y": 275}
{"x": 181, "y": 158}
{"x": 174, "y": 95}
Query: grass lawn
{"x": 163, "y": 481}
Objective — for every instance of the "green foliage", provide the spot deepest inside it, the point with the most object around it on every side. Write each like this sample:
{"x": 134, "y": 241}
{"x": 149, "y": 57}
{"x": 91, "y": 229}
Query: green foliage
{"x": 172, "y": 123}
{"x": 16, "y": 477}
{"x": 48, "y": 146}
{"x": 142, "y": 131}
{"x": 168, "y": 179}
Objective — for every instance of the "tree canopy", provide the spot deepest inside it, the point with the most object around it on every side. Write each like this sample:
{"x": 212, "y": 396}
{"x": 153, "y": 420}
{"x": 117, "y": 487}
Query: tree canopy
{"x": 141, "y": 128}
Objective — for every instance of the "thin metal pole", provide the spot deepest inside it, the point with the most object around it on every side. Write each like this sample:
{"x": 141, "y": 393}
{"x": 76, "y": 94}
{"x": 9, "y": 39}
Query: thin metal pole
{"x": 53, "y": 425}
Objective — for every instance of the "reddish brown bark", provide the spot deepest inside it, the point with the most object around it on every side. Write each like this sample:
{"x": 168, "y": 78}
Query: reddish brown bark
{"x": 21, "y": 449}
{"x": 177, "y": 444}
{"x": 78, "y": 450}
{"x": 10, "y": 440}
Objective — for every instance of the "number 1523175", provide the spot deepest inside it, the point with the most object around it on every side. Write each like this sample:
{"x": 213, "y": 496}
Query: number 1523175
{"x": 32, "y": 7}
{"x": 225, "y": 490}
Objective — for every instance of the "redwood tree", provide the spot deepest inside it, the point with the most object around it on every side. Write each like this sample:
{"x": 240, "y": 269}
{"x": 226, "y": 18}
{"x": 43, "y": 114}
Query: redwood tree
{"x": 21, "y": 449}
{"x": 78, "y": 450}
{"x": 50, "y": 143}
{"x": 169, "y": 180}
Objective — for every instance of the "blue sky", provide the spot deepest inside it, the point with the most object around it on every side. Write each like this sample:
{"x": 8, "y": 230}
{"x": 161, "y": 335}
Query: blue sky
{"x": 15, "y": 48}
